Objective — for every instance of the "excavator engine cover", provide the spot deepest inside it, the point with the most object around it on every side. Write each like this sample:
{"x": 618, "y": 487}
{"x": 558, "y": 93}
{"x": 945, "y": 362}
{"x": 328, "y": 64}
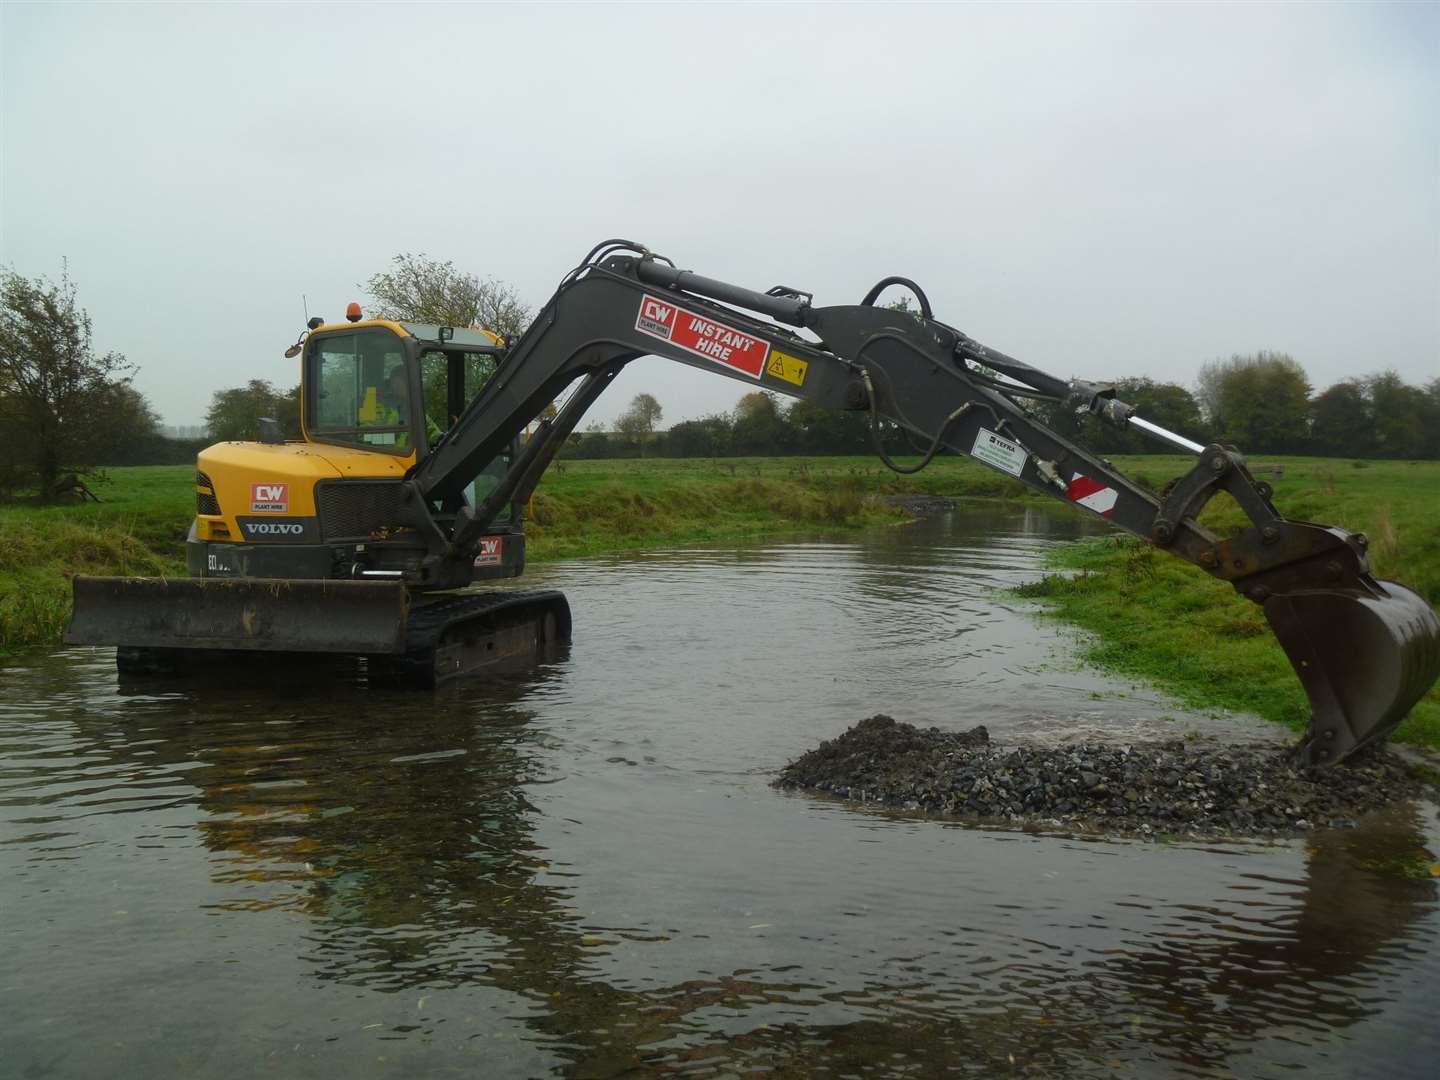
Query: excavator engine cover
{"x": 271, "y": 615}
{"x": 1365, "y": 655}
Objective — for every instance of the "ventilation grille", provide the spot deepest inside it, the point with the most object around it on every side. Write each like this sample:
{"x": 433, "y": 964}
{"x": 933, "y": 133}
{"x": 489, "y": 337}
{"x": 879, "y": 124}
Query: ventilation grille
{"x": 205, "y": 501}
{"x": 353, "y": 511}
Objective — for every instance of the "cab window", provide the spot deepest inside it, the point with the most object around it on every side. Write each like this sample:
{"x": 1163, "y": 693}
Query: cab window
{"x": 362, "y": 391}
{"x": 435, "y": 368}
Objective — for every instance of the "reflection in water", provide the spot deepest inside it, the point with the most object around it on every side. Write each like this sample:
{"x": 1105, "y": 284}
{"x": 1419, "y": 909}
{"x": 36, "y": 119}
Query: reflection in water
{"x": 548, "y": 875}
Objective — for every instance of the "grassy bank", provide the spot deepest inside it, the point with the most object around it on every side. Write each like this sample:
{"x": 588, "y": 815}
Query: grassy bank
{"x": 581, "y": 508}
{"x": 591, "y": 507}
{"x": 139, "y": 528}
{"x": 1156, "y": 617}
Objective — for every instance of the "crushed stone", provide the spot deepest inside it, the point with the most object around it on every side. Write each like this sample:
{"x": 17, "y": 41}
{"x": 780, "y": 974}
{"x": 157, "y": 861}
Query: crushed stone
{"x": 1148, "y": 789}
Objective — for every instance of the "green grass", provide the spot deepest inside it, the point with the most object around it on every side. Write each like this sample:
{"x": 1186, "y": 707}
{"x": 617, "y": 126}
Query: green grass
{"x": 1156, "y": 617}
{"x": 591, "y": 507}
{"x": 138, "y": 528}
{"x": 944, "y": 476}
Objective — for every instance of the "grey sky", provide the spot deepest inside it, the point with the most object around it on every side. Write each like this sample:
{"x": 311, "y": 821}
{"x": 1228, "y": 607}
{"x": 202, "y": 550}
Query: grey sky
{"x": 1101, "y": 191}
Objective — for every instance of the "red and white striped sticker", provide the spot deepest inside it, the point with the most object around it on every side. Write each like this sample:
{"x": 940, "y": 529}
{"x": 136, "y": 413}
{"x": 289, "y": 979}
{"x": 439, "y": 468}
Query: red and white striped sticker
{"x": 1092, "y": 495}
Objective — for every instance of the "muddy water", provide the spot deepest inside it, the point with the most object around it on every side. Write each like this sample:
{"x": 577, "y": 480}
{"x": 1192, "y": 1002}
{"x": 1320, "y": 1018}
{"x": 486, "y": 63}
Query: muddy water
{"x": 584, "y": 872}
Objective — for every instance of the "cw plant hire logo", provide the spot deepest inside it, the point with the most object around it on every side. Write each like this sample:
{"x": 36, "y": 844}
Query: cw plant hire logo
{"x": 492, "y": 551}
{"x": 269, "y": 498}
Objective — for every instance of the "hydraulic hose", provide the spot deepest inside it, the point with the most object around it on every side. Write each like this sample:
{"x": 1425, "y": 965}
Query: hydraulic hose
{"x": 884, "y": 283}
{"x": 879, "y": 445}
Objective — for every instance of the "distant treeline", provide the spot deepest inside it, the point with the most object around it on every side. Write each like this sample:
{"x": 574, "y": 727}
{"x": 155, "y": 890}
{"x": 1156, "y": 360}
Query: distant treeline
{"x": 1262, "y": 404}
{"x": 152, "y": 448}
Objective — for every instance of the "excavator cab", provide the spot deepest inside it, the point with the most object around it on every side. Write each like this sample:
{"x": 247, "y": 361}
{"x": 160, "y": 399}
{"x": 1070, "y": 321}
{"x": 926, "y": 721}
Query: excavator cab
{"x": 392, "y": 387}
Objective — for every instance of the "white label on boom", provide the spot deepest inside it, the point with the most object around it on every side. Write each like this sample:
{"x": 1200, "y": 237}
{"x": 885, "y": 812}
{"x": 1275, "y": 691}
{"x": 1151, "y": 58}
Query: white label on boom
{"x": 999, "y": 452}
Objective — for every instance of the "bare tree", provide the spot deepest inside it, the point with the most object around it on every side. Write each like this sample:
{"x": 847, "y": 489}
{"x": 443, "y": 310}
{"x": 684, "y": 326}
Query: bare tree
{"x": 423, "y": 289}
{"x": 637, "y": 423}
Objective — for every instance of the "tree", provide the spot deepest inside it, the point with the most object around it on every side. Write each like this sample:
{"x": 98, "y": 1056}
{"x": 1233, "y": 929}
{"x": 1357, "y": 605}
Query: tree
{"x": 760, "y": 428}
{"x": 422, "y": 289}
{"x": 637, "y": 423}
{"x": 710, "y": 436}
{"x": 1341, "y": 422}
{"x": 593, "y": 443}
{"x": 1260, "y": 403}
{"x": 126, "y": 417}
{"x": 235, "y": 413}
{"x": 1399, "y": 412}
{"x": 56, "y": 392}
{"x": 1432, "y": 418}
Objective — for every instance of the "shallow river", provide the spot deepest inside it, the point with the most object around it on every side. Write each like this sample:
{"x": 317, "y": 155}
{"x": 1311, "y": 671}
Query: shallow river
{"x": 584, "y": 871}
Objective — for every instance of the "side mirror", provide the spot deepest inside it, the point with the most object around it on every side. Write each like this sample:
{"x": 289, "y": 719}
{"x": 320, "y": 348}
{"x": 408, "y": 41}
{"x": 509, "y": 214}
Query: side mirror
{"x": 294, "y": 350}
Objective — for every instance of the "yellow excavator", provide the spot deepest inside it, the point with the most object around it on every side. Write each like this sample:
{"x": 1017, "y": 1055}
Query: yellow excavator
{"x": 409, "y": 485}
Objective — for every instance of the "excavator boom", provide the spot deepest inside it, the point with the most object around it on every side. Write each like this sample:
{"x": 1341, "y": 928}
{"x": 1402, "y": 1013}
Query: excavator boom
{"x": 1365, "y": 650}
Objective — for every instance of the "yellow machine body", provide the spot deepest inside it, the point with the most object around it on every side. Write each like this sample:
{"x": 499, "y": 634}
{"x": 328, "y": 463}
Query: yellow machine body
{"x": 234, "y": 478}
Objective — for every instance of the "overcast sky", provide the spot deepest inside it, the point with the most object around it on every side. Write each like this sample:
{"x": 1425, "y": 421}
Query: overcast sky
{"x": 1102, "y": 191}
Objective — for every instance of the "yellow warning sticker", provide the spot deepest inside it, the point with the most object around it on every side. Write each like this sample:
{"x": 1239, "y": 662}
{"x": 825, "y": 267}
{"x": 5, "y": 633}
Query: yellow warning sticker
{"x": 784, "y": 366}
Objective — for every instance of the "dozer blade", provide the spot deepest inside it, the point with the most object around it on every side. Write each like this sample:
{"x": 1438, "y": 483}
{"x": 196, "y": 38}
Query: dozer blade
{"x": 292, "y": 615}
{"x": 1365, "y": 654}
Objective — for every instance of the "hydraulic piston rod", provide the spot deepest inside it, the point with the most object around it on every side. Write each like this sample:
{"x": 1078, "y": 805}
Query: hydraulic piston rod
{"x": 1170, "y": 437}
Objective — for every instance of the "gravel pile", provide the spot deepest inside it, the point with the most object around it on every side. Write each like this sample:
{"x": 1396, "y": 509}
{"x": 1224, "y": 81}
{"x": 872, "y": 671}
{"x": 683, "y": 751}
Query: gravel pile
{"x": 1142, "y": 789}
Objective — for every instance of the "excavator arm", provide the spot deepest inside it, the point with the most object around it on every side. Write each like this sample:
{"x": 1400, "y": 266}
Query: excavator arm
{"x": 1365, "y": 650}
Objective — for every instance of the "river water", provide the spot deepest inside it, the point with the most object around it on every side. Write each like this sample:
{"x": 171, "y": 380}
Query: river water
{"x": 583, "y": 871}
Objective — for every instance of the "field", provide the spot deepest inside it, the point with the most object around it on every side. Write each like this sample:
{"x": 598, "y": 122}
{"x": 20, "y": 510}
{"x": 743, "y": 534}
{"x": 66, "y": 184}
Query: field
{"x": 1150, "y": 615}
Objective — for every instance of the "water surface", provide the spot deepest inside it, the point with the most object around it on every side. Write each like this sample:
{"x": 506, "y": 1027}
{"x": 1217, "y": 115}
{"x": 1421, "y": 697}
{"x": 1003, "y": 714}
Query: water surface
{"x": 584, "y": 871}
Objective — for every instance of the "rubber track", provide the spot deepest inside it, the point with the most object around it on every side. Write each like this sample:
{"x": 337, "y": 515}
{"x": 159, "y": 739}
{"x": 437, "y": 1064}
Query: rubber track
{"x": 428, "y": 622}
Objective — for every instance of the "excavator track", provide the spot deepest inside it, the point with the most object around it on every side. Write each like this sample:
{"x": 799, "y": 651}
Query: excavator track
{"x": 478, "y": 633}
{"x": 163, "y": 627}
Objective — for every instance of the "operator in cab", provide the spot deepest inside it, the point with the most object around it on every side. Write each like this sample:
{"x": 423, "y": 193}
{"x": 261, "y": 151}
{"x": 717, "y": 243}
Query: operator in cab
{"x": 395, "y": 398}
{"x": 392, "y": 410}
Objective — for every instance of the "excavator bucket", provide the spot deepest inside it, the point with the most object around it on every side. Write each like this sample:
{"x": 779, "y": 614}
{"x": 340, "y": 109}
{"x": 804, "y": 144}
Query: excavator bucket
{"x": 270, "y": 615}
{"x": 1365, "y": 653}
